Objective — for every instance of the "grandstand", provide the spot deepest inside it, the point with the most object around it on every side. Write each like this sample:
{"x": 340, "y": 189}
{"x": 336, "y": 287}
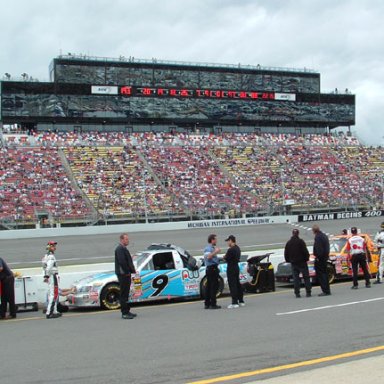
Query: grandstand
{"x": 129, "y": 140}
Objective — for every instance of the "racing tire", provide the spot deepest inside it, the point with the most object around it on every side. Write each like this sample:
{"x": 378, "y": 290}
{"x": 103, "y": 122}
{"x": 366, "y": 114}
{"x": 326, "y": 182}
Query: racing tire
{"x": 110, "y": 297}
{"x": 203, "y": 287}
{"x": 331, "y": 273}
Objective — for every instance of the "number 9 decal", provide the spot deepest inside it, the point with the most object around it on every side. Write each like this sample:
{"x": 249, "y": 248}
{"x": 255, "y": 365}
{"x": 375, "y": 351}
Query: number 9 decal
{"x": 159, "y": 283}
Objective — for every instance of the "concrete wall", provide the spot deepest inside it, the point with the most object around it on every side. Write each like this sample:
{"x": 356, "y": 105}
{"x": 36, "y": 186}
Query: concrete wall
{"x": 169, "y": 226}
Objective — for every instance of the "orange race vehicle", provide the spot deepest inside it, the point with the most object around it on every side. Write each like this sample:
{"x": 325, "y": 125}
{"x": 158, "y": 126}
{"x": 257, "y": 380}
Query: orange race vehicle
{"x": 339, "y": 263}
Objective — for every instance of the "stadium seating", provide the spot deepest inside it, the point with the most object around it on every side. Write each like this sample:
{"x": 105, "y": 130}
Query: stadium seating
{"x": 116, "y": 182}
{"x": 34, "y": 180}
{"x": 118, "y": 175}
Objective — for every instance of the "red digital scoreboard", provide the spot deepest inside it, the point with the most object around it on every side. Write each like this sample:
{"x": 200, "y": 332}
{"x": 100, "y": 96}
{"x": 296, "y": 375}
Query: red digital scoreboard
{"x": 196, "y": 93}
{"x": 134, "y": 91}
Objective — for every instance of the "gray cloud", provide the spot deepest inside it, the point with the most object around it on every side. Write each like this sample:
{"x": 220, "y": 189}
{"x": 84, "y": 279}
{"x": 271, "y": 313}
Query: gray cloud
{"x": 341, "y": 39}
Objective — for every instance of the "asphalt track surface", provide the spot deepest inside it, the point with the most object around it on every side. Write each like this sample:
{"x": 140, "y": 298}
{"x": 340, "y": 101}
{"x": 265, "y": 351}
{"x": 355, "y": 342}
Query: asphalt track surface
{"x": 100, "y": 248}
{"x": 183, "y": 343}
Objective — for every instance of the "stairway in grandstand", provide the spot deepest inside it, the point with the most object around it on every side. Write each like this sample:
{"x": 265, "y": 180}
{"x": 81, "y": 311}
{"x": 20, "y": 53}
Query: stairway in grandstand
{"x": 92, "y": 219}
{"x": 114, "y": 181}
{"x": 162, "y": 183}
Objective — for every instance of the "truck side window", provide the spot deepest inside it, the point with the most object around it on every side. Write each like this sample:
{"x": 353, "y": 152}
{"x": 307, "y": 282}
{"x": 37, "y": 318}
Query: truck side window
{"x": 162, "y": 261}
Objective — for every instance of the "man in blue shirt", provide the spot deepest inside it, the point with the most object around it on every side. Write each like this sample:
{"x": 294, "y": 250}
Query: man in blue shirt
{"x": 211, "y": 262}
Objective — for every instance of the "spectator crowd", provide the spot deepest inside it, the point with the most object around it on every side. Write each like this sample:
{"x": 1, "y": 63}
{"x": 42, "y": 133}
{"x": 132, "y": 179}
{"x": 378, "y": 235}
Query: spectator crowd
{"x": 118, "y": 174}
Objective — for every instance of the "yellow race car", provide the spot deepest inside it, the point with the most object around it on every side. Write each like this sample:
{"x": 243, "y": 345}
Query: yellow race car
{"x": 339, "y": 263}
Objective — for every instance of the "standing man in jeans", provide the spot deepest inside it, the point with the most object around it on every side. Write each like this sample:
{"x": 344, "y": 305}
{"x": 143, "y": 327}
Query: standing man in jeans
{"x": 357, "y": 249}
{"x": 211, "y": 262}
{"x": 296, "y": 253}
{"x": 124, "y": 268}
{"x": 321, "y": 253}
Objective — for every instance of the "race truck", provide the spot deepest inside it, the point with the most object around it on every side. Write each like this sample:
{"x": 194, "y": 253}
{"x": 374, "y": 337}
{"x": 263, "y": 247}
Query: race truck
{"x": 164, "y": 272}
{"x": 339, "y": 263}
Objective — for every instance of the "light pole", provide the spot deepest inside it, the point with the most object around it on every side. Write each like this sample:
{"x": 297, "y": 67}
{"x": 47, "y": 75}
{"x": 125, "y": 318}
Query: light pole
{"x": 144, "y": 173}
{"x": 282, "y": 188}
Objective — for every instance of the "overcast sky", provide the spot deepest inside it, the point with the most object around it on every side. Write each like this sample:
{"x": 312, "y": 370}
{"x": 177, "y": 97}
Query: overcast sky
{"x": 341, "y": 39}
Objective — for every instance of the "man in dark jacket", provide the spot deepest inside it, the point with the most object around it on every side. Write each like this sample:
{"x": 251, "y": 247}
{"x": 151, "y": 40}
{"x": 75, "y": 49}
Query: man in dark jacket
{"x": 321, "y": 253}
{"x": 232, "y": 257}
{"x": 297, "y": 254}
{"x": 7, "y": 281}
{"x": 124, "y": 268}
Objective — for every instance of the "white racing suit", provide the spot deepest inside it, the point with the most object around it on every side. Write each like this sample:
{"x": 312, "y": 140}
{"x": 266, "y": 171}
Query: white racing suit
{"x": 379, "y": 241}
{"x": 51, "y": 273}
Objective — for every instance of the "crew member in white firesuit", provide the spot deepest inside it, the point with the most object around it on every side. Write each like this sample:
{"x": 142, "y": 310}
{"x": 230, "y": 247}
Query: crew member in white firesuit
{"x": 357, "y": 249}
{"x": 51, "y": 277}
{"x": 379, "y": 241}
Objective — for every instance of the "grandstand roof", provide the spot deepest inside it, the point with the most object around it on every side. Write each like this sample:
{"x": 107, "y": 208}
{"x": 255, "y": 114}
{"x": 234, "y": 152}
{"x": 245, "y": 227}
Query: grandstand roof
{"x": 155, "y": 61}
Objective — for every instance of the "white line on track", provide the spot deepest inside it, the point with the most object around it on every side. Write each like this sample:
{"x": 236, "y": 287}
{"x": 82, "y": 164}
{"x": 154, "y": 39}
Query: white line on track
{"x": 329, "y": 306}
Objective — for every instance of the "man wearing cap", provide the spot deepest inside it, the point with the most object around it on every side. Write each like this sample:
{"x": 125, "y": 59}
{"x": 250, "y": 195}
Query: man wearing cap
{"x": 379, "y": 241}
{"x": 7, "y": 282}
{"x": 232, "y": 257}
{"x": 357, "y": 249}
{"x": 297, "y": 254}
{"x": 51, "y": 277}
{"x": 211, "y": 262}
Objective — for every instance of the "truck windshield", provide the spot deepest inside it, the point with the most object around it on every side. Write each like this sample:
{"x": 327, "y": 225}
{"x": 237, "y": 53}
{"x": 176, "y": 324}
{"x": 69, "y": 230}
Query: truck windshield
{"x": 140, "y": 259}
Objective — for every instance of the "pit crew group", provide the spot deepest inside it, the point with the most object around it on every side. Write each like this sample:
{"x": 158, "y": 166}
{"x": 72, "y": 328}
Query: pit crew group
{"x": 295, "y": 252}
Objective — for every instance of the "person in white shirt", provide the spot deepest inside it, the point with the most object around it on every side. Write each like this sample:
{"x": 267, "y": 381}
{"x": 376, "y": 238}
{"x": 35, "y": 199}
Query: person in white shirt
{"x": 379, "y": 241}
{"x": 357, "y": 248}
{"x": 51, "y": 277}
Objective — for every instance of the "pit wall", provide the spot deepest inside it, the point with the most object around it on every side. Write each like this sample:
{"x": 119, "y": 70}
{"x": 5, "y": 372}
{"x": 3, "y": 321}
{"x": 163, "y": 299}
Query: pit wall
{"x": 147, "y": 227}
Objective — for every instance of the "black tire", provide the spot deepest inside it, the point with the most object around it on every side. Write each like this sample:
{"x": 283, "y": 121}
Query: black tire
{"x": 35, "y": 307}
{"x": 331, "y": 273}
{"x": 203, "y": 287}
{"x": 110, "y": 297}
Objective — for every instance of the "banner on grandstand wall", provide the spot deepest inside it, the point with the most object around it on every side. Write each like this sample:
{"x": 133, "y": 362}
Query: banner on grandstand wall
{"x": 234, "y": 222}
{"x": 285, "y": 96}
{"x": 340, "y": 215}
{"x": 104, "y": 90}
